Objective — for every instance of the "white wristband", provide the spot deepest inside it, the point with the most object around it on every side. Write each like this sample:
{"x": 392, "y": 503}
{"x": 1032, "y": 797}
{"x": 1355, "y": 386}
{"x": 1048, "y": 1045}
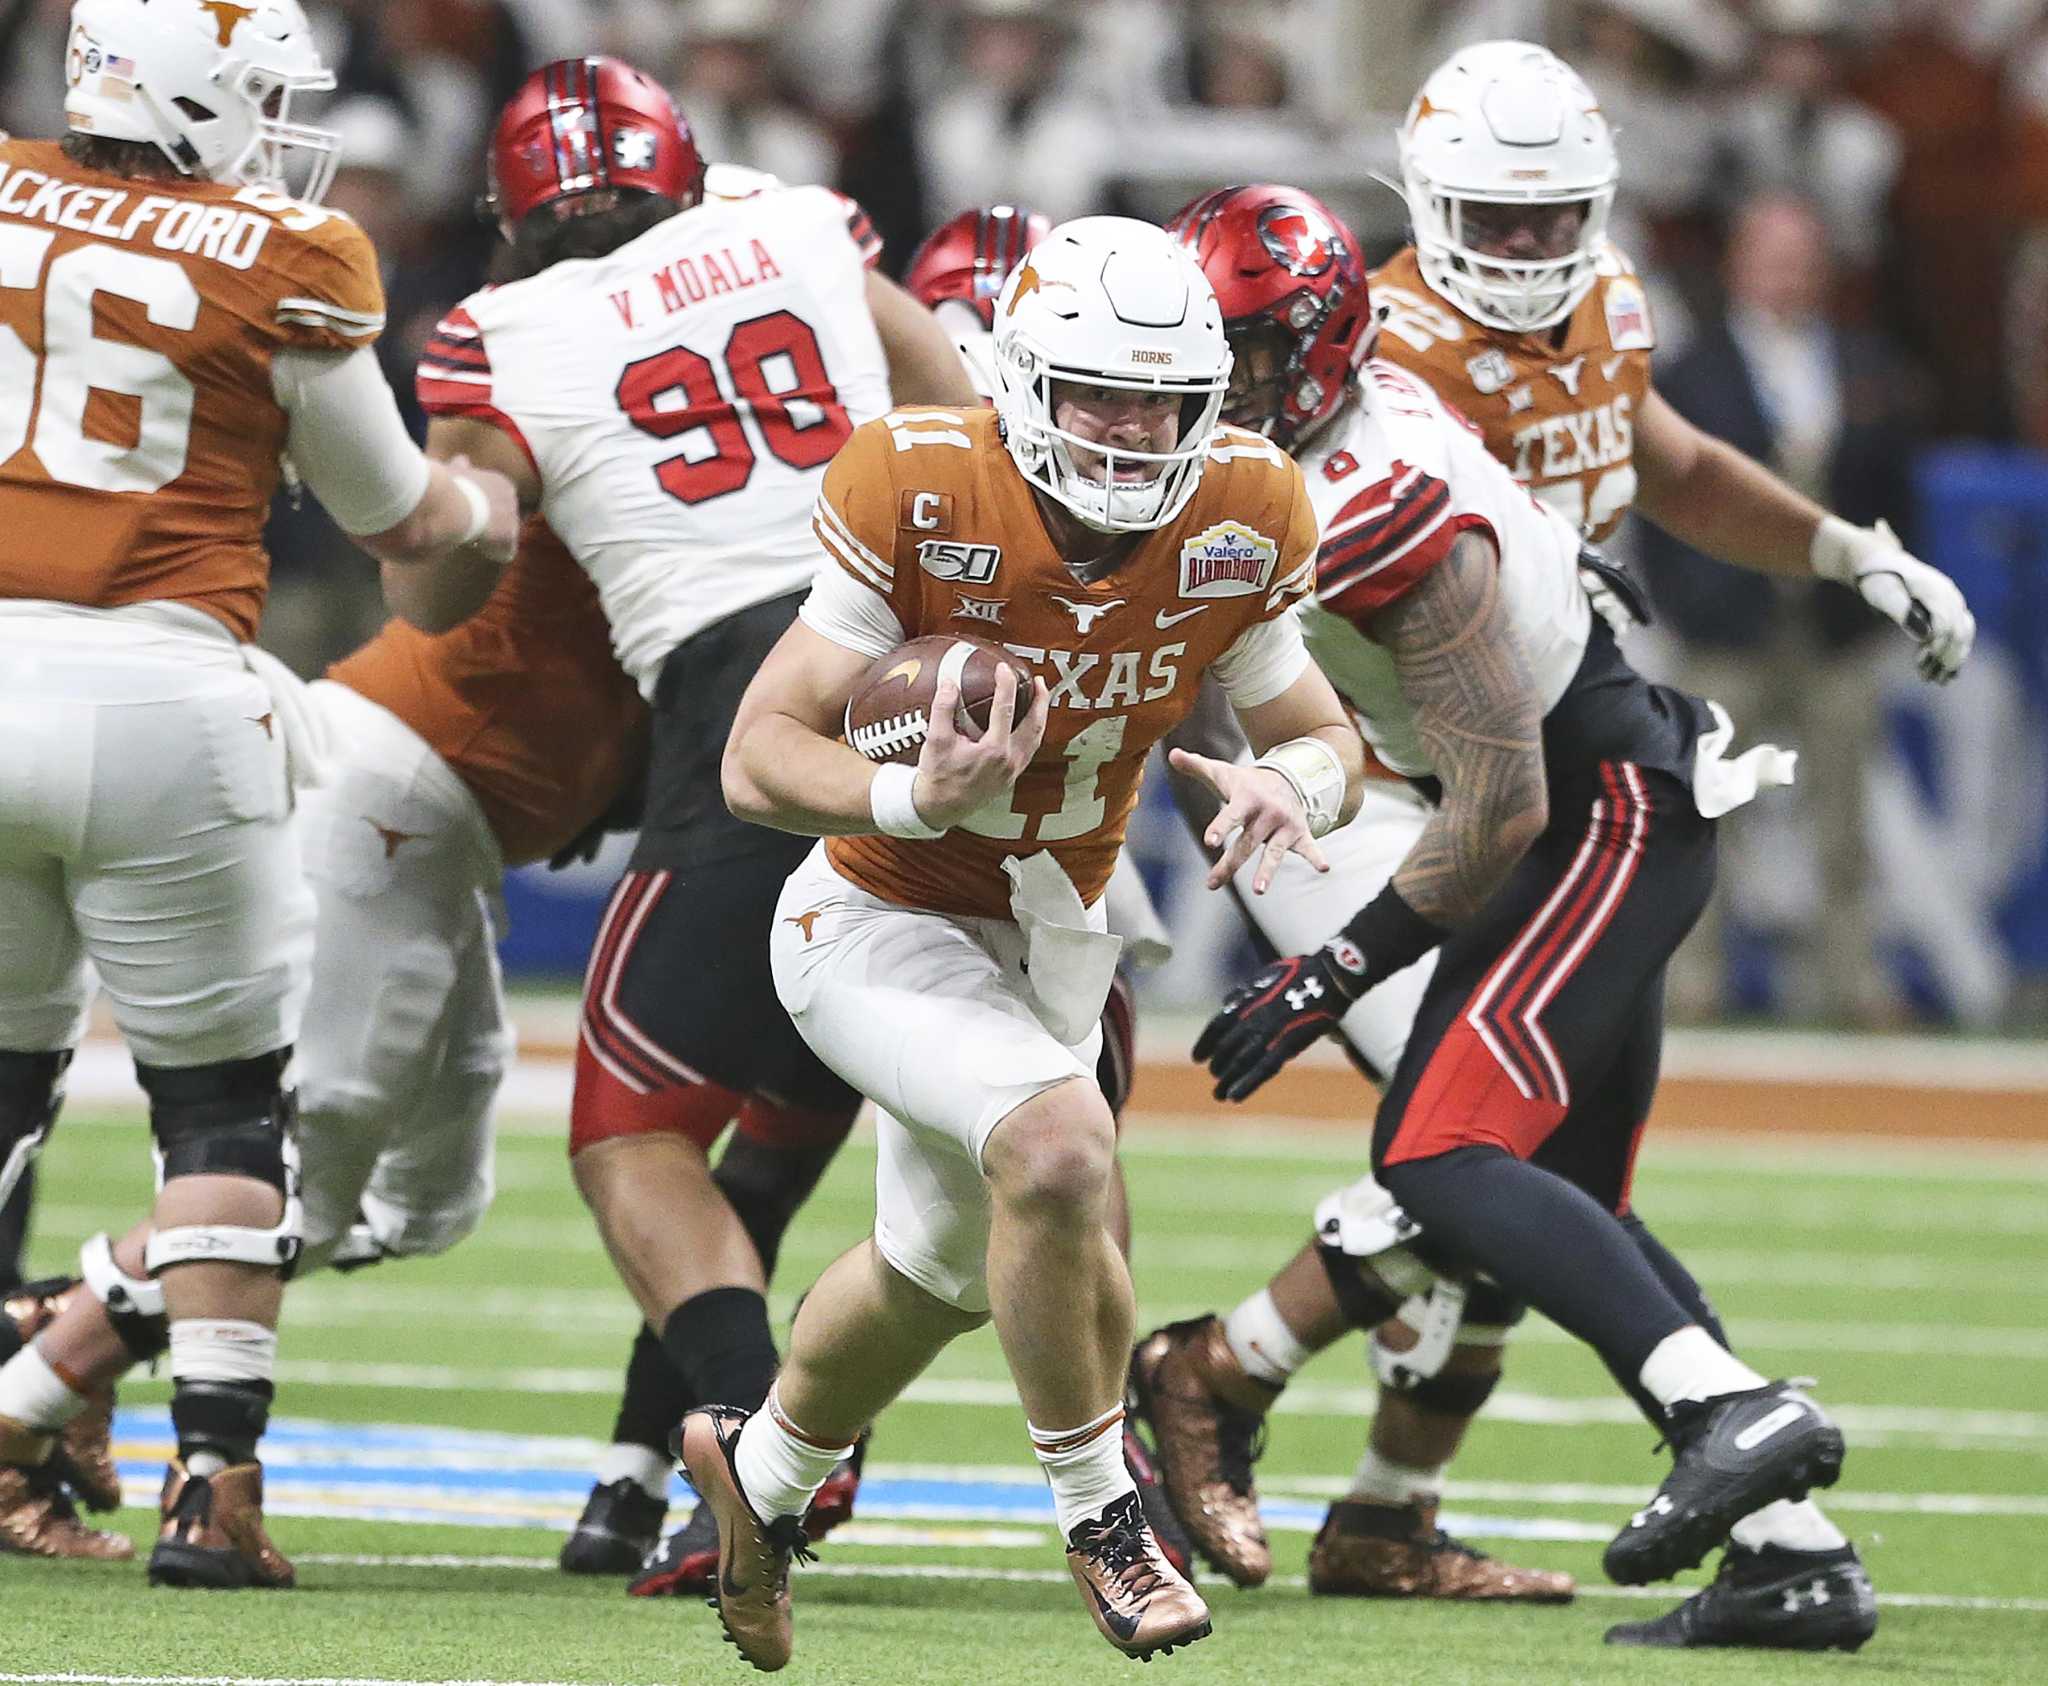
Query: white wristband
{"x": 1312, "y": 767}
{"x": 1839, "y": 546}
{"x": 892, "y": 801}
{"x": 479, "y": 508}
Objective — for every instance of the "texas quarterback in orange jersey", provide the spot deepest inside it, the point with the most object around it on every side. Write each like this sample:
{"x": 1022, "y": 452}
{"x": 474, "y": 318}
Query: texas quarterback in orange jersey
{"x": 173, "y": 324}
{"x": 939, "y": 950}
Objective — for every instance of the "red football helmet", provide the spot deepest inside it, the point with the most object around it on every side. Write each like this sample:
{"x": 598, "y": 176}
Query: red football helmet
{"x": 1292, "y": 285}
{"x": 579, "y": 125}
{"x": 970, "y": 257}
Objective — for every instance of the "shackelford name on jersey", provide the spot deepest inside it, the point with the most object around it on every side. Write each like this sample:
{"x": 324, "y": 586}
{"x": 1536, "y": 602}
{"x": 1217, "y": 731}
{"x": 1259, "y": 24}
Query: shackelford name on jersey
{"x": 933, "y": 530}
{"x": 729, "y": 347}
{"x": 224, "y": 233}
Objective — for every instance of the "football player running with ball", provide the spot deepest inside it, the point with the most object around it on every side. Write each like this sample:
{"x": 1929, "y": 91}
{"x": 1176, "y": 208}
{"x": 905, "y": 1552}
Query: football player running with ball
{"x": 943, "y": 949}
{"x": 1511, "y": 303}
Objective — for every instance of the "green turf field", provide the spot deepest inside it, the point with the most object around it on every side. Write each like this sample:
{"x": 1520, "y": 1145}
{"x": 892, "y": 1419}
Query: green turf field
{"x": 1913, "y": 1284}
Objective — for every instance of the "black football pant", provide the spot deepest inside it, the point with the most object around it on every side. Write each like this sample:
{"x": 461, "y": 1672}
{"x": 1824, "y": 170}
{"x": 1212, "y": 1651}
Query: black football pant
{"x": 1510, "y": 1129}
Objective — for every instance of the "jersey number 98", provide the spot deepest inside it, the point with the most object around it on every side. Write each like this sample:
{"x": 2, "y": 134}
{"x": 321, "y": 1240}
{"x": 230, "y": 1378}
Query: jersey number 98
{"x": 775, "y": 375}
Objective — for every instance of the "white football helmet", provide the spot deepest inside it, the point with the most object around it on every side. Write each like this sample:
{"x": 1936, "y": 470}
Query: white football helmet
{"x": 208, "y": 82}
{"x": 1506, "y": 123}
{"x": 1109, "y": 301}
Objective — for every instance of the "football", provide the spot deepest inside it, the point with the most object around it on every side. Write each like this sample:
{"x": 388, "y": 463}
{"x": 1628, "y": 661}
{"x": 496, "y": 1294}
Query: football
{"x": 891, "y": 704}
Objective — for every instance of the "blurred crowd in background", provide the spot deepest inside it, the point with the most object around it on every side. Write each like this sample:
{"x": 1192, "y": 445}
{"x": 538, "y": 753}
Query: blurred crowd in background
{"x": 1841, "y": 206}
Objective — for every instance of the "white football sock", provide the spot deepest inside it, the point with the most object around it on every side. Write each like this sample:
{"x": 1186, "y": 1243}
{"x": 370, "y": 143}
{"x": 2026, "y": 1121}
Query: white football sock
{"x": 1258, "y": 1337}
{"x": 34, "y": 1395}
{"x": 1084, "y": 1467}
{"x": 779, "y": 1466}
{"x": 1790, "y": 1527}
{"x": 1691, "y": 1364}
{"x": 1381, "y": 1481}
{"x": 646, "y": 1468}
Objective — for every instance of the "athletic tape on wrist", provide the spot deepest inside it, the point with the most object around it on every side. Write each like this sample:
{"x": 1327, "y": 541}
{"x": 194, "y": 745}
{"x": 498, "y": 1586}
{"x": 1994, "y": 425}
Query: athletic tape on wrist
{"x": 892, "y": 800}
{"x": 479, "y": 508}
{"x": 1311, "y": 766}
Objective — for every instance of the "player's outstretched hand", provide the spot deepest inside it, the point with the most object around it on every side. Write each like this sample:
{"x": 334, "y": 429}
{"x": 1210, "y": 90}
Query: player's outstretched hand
{"x": 1904, "y": 589}
{"x": 1264, "y": 1023}
{"x": 1261, "y": 811}
{"x": 957, "y": 775}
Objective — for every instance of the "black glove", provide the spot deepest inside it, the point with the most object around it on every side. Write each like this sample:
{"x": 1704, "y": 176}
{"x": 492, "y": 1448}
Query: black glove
{"x": 1264, "y": 1023}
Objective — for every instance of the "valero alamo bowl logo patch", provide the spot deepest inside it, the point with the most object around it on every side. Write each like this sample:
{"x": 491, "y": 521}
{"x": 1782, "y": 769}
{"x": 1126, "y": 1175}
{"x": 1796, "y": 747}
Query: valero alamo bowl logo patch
{"x": 1226, "y": 560}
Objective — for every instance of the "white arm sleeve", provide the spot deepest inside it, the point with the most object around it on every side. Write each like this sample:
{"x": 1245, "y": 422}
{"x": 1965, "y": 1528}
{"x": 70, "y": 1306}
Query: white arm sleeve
{"x": 850, "y": 614}
{"x": 346, "y": 438}
{"x": 1262, "y": 661}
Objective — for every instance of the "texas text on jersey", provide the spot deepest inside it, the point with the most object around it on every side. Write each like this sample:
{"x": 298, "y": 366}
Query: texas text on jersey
{"x": 523, "y": 700}
{"x": 138, "y": 324}
{"x": 927, "y": 509}
{"x": 728, "y": 347}
{"x": 1558, "y": 405}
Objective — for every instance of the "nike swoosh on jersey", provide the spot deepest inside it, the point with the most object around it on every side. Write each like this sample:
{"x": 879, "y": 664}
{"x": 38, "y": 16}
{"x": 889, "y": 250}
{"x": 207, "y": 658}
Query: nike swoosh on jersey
{"x": 1163, "y": 620}
{"x": 1764, "y": 1427}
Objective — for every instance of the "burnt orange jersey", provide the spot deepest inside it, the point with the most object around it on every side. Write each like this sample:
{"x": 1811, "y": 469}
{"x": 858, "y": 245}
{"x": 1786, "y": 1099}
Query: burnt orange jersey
{"x": 524, "y": 699}
{"x": 1558, "y": 406}
{"x": 926, "y": 508}
{"x": 139, "y": 435}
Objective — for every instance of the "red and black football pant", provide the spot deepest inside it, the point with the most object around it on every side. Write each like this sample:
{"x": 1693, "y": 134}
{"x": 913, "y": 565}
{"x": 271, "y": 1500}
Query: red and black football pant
{"x": 1510, "y": 1129}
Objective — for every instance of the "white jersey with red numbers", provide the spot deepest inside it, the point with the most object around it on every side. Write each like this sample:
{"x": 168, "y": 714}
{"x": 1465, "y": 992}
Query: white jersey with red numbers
{"x": 680, "y": 398}
{"x": 1395, "y": 478}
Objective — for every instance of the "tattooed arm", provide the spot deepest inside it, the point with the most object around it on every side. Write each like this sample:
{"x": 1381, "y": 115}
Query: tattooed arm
{"x": 1462, "y": 669}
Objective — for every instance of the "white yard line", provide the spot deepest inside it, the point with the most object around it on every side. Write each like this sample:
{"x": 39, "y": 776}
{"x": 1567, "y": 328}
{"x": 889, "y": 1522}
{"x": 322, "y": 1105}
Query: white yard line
{"x": 248, "y": 1680}
{"x": 925, "y": 1572}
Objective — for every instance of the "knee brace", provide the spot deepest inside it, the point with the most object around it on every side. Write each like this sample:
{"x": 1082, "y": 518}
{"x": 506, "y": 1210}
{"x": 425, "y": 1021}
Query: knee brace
{"x": 1362, "y": 1239}
{"x": 31, "y": 1090}
{"x": 233, "y": 1119}
{"x": 1452, "y": 1314}
{"x": 134, "y": 1305}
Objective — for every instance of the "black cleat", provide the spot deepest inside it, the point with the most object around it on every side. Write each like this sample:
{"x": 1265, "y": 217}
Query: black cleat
{"x": 683, "y": 1565}
{"x": 1769, "y": 1599}
{"x": 1731, "y": 1455}
{"x": 620, "y": 1525}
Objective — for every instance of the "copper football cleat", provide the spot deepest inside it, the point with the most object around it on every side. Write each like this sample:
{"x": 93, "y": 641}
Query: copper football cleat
{"x": 213, "y": 1533}
{"x": 1397, "y": 1551}
{"x": 1208, "y": 1419}
{"x": 1140, "y": 1605}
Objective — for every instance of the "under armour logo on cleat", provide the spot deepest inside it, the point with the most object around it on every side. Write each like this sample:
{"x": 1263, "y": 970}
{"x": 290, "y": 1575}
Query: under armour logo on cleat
{"x": 1659, "y": 1506}
{"x": 1813, "y": 1597}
